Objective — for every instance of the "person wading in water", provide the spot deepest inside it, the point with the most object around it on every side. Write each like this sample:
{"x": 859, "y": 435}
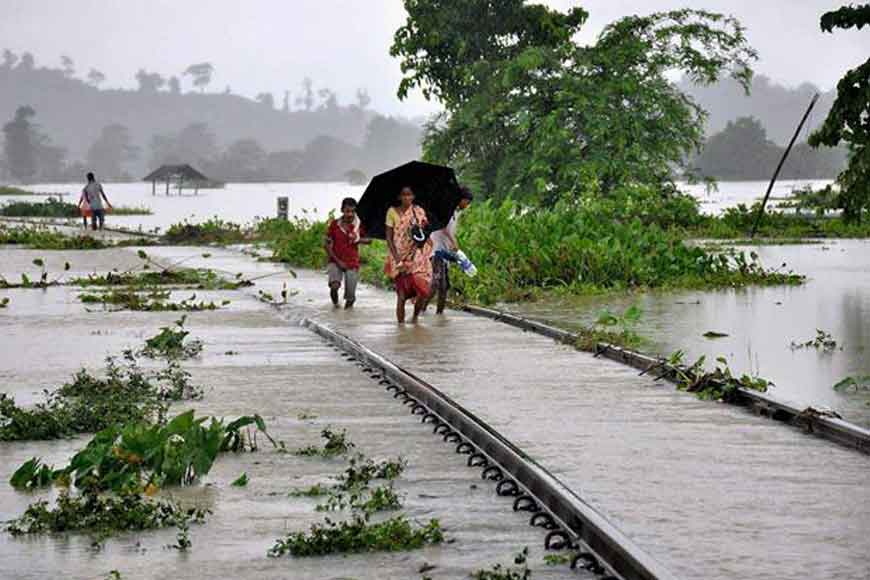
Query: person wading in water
{"x": 409, "y": 262}
{"x": 94, "y": 196}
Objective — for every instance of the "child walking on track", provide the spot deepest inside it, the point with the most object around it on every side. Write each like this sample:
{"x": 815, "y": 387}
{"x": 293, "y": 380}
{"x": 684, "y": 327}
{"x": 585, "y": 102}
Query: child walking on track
{"x": 343, "y": 237}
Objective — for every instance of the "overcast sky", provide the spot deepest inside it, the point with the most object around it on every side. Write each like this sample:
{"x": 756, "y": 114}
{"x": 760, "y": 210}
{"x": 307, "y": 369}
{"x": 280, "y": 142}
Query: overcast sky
{"x": 270, "y": 45}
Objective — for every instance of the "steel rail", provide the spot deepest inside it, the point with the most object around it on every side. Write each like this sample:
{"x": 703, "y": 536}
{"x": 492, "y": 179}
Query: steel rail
{"x": 809, "y": 419}
{"x": 573, "y": 521}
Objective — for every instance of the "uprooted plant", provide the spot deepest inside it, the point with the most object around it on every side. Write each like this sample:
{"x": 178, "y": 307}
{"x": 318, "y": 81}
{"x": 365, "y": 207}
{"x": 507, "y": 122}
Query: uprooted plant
{"x": 352, "y": 489}
{"x": 170, "y": 343}
{"x": 719, "y": 384}
{"x": 823, "y": 341}
{"x": 337, "y": 443}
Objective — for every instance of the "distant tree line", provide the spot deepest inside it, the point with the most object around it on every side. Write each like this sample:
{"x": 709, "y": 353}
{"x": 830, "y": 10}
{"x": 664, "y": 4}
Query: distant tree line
{"x": 742, "y": 151}
{"x": 30, "y": 156}
{"x": 57, "y": 126}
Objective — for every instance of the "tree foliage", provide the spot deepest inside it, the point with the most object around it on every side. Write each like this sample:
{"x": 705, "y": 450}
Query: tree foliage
{"x": 201, "y": 73}
{"x": 20, "y": 144}
{"x": 849, "y": 119}
{"x": 111, "y": 151}
{"x": 530, "y": 114}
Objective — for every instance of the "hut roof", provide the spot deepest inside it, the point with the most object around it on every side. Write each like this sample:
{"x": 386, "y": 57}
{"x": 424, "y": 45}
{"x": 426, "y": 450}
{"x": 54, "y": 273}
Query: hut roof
{"x": 168, "y": 172}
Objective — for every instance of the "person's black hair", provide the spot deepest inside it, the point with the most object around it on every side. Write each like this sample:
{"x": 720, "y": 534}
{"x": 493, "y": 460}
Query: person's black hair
{"x": 465, "y": 193}
{"x": 348, "y": 202}
{"x": 90, "y": 176}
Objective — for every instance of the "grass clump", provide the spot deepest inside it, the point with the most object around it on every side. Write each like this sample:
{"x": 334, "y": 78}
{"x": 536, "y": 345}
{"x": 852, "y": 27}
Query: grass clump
{"x": 201, "y": 279}
{"x": 213, "y": 231}
{"x": 823, "y": 341}
{"x": 519, "y": 571}
{"x": 89, "y": 404}
{"x": 719, "y": 384}
{"x": 57, "y": 208}
{"x": 359, "y": 535}
{"x": 170, "y": 343}
{"x": 102, "y": 515}
{"x": 43, "y": 238}
{"x": 337, "y": 443}
{"x": 153, "y": 300}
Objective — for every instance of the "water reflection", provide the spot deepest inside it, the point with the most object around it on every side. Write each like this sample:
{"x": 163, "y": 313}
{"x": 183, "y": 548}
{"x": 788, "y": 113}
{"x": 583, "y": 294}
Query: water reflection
{"x": 761, "y": 323}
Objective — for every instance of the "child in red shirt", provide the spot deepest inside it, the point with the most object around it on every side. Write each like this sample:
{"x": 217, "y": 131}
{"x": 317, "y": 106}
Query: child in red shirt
{"x": 343, "y": 236}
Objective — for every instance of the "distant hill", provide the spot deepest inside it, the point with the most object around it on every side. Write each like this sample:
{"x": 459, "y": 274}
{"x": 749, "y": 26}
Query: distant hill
{"x": 778, "y": 108}
{"x": 73, "y": 114}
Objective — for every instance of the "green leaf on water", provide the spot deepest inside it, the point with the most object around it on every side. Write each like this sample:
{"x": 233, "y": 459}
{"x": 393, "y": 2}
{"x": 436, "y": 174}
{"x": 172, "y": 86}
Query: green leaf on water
{"x": 39, "y": 262}
{"x": 142, "y": 255}
{"x": 242, "y": 481}
{"x": 714, "y": 334}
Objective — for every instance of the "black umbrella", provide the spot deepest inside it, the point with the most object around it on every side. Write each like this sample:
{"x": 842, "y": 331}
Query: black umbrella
{"x": 435, "y": 190}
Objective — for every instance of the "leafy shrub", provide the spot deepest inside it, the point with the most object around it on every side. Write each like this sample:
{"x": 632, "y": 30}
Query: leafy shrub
{"x": 42, "y": 238}
{"x": 337, "y": 443}
{"x": 213, "y": 231}
{"x": 358, "y": 535}
{"x": 169, "y": 343}
{"x": 102, "y": 514}
{"x": 296, "y": 242}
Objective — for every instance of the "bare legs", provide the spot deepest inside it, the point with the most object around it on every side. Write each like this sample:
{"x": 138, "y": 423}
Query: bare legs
{"x": 333, "y": 292}
{"x": 400, "y": 306}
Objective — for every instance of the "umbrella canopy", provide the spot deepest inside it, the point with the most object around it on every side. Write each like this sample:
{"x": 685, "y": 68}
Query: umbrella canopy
{"x": 435, "y": 190}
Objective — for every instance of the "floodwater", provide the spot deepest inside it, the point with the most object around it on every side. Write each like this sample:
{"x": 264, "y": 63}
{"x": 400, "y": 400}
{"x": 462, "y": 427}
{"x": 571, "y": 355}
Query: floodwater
{"x": 245, "y": 202}
{"x": 710, "y": 490}
{"x": 237, "y": 202}
{"x": 761, "y": 324}
{"x": 300, "y": 385}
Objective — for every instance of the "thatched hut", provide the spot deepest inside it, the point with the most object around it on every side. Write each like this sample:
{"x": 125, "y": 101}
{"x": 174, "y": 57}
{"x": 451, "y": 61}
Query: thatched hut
{"x": 178, "y": 175}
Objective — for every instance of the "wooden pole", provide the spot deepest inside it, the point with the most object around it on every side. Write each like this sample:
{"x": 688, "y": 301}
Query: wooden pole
{"x": 167, "y": 187}
{"x": 781, "y": 163}
{"x": 153, "y": 187}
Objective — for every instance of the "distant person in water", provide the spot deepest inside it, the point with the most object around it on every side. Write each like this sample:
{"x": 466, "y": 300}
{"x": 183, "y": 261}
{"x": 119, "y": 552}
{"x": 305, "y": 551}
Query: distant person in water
{"x": 343, "y": 237}
{"x": 94, "y": 196}
{"x": 444, "y": 248}
{"x": 409, "y": 262}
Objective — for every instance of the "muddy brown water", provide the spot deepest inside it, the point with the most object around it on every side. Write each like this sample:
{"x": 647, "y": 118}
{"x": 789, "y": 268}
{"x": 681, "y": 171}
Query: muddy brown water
{"x": 709, "y": 490}
{"x": 279, "y": 370}
{"x": 761, "y": 324}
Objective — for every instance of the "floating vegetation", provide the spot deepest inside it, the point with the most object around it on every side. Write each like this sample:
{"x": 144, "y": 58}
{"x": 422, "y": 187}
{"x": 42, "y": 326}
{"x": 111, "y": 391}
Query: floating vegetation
{"x": 55, "y": 207}
{"x": 316, "y": 490}
{"x": 359, "y": 535}
{"x": 853, "y": 384}
{"x": 4, "y": 302}
{"x": 201, "y": 279}
{"x": 625, "y": 322}
{"x": 719, "y": 384}
{"x": 86, "y": 405}
{"x": 213, "y": 231}
{"x": 241, "y": 481}
{"x": 714, "y": 334}
{"x": 337, "y": 443}
{"x": 170, "y": 343}
{"x": 89, "y": 404}
{"x": 43, "y": 238}
{"x": 41, "y": 283}
{"x": 142, "y": 456}
{"x": 519, "y": 571}
{"x": 823, "y": 341}
{"x": 101, "y": 514}
{"x": 149, "y": 301}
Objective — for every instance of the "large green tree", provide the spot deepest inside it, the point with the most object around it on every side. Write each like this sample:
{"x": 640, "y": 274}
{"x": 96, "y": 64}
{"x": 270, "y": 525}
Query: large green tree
{"x": 849, "y": 119}
{"x": 530, "y": 114}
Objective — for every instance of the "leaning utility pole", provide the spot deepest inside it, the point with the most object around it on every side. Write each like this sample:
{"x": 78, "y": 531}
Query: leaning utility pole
{"x": 781, "y": 162}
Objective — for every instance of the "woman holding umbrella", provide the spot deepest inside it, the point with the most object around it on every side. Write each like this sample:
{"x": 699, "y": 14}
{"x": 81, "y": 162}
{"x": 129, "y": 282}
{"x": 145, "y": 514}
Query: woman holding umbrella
{"x": 409, "y": 262}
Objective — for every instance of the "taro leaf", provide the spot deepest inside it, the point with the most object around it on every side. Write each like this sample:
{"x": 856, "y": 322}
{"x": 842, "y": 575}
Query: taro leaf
{"x": 606, "y": 318}
{"x": 32, "y": 474}
{"x": 632, "y": 314}
{"x": 845, "y": 383}
{"x": 242, "y": 481}
{"x": 714, "y": 334}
